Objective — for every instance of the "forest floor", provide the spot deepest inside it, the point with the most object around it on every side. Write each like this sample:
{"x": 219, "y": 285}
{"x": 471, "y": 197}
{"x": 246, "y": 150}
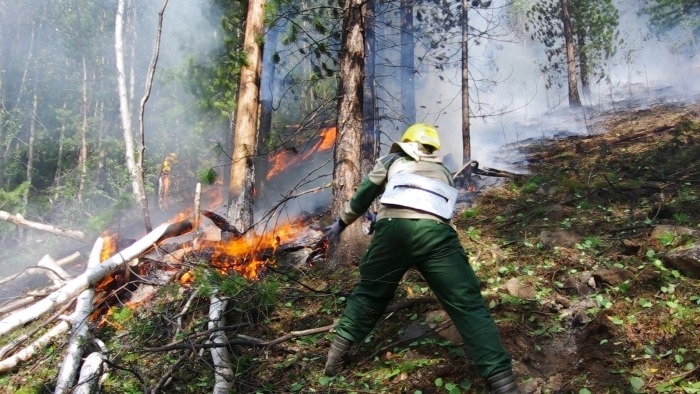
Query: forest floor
{"x": 572, "y": 262}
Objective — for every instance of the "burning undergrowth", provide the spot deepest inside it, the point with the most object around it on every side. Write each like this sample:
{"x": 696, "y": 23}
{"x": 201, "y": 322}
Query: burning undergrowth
{"x": 248, "y": 256}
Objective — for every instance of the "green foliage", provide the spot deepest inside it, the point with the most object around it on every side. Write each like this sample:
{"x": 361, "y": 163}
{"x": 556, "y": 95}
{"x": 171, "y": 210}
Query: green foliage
{"x": 532, "y": 184}
{"x": 668, "y": 15}
{"x": 595, "y": 29}
{"x": 12, "y": 201}
{"x": 208, "y": 176}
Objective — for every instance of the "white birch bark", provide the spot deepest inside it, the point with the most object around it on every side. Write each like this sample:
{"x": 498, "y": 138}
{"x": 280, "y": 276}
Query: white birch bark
{"x": 90, "y": 374}
{"x": 135, "y": 172}
{"x": 91, "y": 276}
{"x": 29, "y": 351}
{"x": 79, "y": 319}
{"x": 223, "y": 375}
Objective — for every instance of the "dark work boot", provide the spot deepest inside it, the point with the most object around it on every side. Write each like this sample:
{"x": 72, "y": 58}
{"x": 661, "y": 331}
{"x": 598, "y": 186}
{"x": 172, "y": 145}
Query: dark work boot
{"x": 503, "y": 383}
{"x": 335, "y": 362}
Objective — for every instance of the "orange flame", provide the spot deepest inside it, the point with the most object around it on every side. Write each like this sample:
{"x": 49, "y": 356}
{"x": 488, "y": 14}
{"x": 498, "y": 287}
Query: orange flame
{"x": 327, "y": 139}
{"x": 109, "y": 248}
{"x": 285, "y": 159}
{"x": 242, "y": 255}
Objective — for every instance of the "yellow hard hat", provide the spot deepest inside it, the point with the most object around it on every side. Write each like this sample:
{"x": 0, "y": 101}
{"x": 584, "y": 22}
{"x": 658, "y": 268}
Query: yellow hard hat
{"x": 423, "y": 133}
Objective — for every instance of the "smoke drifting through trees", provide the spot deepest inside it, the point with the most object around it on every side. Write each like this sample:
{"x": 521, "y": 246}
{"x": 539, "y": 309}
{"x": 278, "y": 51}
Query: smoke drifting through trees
{"x": 40, "y": 53}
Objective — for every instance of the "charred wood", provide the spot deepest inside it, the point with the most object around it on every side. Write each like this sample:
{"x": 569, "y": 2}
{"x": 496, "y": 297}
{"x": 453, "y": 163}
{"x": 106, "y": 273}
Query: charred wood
{"x": 223, "y": 224}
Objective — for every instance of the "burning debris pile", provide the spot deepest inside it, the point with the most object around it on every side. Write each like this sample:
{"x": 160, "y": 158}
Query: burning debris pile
{"x": 126, "y": 274}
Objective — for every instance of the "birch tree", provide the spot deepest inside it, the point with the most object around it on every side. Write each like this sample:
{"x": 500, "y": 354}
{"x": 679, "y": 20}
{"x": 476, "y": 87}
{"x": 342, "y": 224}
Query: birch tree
{"x": 135, "y": 166}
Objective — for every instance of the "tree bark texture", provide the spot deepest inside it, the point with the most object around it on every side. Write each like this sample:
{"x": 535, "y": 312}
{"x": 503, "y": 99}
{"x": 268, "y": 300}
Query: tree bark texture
{"x": 79, "y": 321}
{"x": 135, "y": 171}
{"x": 347, "y": 154}
{"x": 90, "y": 374}
{"x": 466, "y": 128}
{"x": 370, "y": 133}
{"x": 346, "y": 174}
{"x": 223, "y": 374}
{"x": 245, "y": 135}
{"x": 574, "y": 98}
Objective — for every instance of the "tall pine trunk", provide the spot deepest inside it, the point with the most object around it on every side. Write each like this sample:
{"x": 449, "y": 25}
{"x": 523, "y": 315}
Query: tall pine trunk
{"x": 346, "y": 155}
{"x": 466, "y": 128}
{"x": 244, "y": 147}
{"x": 370, "y": 132}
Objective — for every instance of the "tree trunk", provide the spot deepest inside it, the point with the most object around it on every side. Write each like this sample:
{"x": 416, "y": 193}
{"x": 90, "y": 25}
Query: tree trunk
{"x": 370, "y": 132}
{"x": 135, "y": 171}
{"x": 90, "y": 373}
{"x": 583, "y": 64}
{"x": 30, "y": 55}
{"x": 80, "y": 330}
{"x": 59, "y": 156}
{"x": 267, "y": 89}
{"x": 245, "y": 137}
{"x": 30, "y": 149}
{"x": 346, "y": 155}
{"x": 466, "y": 129}
{"x": 142, "y": 106}
{"x": 223, "y": 374}
{"x": 408, "y": 87}
{"x": 3, "y": 38}
{"x": 574, "y": 98}
{"x": 83, "y": 134}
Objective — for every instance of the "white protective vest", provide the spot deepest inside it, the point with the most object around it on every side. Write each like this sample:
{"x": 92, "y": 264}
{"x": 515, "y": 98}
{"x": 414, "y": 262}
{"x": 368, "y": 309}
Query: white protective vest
{"x": 421, "y": 193}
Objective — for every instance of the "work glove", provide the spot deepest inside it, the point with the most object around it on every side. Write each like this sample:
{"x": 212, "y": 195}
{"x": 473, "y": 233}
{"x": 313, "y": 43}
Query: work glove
{"x": 333, "y": 231}
{"x": 372, "y": 217}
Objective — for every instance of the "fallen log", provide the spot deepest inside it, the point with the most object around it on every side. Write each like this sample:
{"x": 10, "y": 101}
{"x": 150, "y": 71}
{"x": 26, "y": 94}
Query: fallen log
{"x": 223, "y": 374}
{"x": 79, "y": 320}
{"x": 24, "y": 337}
{"x": 90, "y": 373}
{"x": 29, "y": 351}
{"x": 21, "y": 221}
{"x": 75, "y": 286}
{"x": 47, "y": 263}
{"x": 30, "y": 298}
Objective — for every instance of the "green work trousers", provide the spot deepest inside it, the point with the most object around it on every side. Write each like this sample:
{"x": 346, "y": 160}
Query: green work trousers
{"x": 434, "y": 249}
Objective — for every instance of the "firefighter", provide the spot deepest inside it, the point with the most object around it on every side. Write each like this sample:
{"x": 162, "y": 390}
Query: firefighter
{"x": 414, "y": 229}
{"x": 164, "y": 180}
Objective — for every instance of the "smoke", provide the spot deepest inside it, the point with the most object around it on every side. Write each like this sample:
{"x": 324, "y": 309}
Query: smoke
{"x": 509, "y": 102}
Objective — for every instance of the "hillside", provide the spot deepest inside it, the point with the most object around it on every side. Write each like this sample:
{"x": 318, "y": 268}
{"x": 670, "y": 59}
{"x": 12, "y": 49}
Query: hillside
{"x": 578, "y": 266}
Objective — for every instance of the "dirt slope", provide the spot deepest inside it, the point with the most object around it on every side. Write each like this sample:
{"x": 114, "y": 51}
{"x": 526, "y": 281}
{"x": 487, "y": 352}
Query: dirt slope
{"x": 574, "y": 266}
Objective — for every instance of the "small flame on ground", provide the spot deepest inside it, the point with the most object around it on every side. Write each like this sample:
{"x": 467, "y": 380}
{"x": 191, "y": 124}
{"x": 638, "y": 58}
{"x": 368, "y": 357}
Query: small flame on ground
{"x": 187, "y": 278}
